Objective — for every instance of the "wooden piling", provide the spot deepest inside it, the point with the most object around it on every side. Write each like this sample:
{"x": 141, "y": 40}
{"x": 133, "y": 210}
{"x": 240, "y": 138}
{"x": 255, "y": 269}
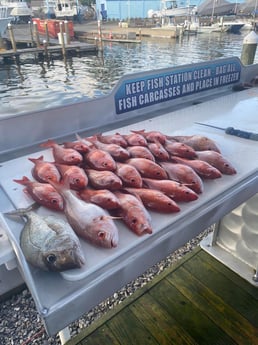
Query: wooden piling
{"x": 62, "y": 38}
{"x": 100, "y": 35}
{"x": 249, "y": 48}
{"x": 68, "y": 38}
{"x": 31, "y": 33}
{"x": 47, "y": 33}
{"x": 36, "y": 34}
{"x": 10, "y": 29}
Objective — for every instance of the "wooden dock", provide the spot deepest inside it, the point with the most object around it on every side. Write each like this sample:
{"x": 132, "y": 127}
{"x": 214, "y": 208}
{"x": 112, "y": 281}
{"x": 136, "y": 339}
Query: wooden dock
{"x": 73, "y": 48}
{"x": 199, "y": 301}
{"x": 25, "y": 44}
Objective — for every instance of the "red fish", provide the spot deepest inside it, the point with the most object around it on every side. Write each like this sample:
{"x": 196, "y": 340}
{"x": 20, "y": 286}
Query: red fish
{"x": 88, "y": 220}
{"x": 116, "y": 138}
{"x": 79, "y": 145}
{"x": 135, "y": 139}
{"x": 103, "y": 179}
{"x": 129, "y": 175}
{"x": 100, "y": 160}
{"x": 183, "y": 174}
{"x": 63, "y": 155}
{"x": 197, "y": 142}
{"x": 116, "y": 151}
{"x": 155, "y": 200}
{"x": 76, "y": 175}
{"x": 134, "y": 214}
{"x": 203, "y": 169}
{"x": 140, "y": 152}
{"x": 43, "y": 193}
{"x": 158, "y": 150}
{"x": 218, "y": 161}
{"x": 44, "y": 171}
{"x": 103, "y": 197}
{"x": 148, "y": 168}
{"x": 179, "y": 149}
{"x": 152, "y": 136}
{"x": 176, "y": 191}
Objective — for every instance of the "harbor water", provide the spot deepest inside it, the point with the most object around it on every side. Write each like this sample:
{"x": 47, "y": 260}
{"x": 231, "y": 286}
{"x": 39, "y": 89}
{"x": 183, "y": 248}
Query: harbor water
{"x": 30, "y": 86}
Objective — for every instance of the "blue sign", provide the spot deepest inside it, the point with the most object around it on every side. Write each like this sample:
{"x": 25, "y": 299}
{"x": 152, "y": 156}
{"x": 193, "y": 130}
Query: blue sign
{"x": 148, "y": 90}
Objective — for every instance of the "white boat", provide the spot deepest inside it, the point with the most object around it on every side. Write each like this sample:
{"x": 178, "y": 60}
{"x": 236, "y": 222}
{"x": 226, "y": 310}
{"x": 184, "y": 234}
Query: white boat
{"x": 170, "y": 8}
{"x": 18, "y": 9}
{"x": 67, "y": 9}
{"x": 4, "y": 20}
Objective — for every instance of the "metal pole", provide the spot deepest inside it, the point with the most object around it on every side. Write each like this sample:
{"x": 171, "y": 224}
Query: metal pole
{"x": 10, "y": 28}
{"x": 249, "y": 48}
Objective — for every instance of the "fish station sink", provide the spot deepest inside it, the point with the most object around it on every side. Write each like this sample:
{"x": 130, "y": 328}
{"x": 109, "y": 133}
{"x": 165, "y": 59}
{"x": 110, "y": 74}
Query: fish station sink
{"x": 219, "y": 93}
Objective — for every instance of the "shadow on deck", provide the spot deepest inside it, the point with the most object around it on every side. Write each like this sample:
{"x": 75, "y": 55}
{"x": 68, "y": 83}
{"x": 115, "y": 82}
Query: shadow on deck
{"x": 199, "y": 301}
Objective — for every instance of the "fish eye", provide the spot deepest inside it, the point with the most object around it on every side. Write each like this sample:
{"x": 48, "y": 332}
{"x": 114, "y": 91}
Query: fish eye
{"x": 51, "y": 258}
{"x": 101, "y": 235}
{"x": 54, "y": 201}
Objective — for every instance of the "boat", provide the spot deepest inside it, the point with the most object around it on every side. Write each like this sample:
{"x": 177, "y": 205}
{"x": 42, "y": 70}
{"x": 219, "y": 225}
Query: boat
{"x": 66, "y": 9}
{"x": 18, "y": 9}
{"x": 234, "y": 26}
{"x": 170, "y": 8}
{"x": 4, "y": 20}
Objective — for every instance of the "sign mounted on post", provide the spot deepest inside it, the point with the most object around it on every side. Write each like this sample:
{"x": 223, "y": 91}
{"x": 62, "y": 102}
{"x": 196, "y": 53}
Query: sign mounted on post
{"x": 170, "y": 84}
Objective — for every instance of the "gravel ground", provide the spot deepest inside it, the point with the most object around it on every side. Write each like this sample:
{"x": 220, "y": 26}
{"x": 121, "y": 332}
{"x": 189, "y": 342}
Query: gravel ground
{"x": 20, "y": 323}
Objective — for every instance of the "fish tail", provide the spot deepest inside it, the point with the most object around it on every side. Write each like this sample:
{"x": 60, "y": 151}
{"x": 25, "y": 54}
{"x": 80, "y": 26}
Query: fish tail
{"x": 24, "y": 181}
{"x": 49, "y": 143}
{"x": 23, "y": 211}
{"x": 140, "y": 131}
{"x": 35, "y": 160}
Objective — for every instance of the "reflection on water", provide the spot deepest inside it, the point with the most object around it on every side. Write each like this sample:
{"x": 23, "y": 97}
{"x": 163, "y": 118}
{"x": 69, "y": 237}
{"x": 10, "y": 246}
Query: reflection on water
{"x": 30, "y": 86}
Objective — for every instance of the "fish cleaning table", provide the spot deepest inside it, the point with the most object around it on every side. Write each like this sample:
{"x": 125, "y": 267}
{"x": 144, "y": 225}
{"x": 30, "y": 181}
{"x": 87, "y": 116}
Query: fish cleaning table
{"x": 61, "y": 298}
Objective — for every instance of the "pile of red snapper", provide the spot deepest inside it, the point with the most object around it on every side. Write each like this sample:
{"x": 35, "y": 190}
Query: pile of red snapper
{"x": 97, "y": 179}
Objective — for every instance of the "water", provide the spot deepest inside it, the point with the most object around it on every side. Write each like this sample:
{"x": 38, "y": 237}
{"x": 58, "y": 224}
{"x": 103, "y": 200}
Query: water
{"x": 32, "y": 86}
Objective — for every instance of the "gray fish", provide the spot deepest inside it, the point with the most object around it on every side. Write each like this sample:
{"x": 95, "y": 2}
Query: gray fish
{"x": 48, "y": 243}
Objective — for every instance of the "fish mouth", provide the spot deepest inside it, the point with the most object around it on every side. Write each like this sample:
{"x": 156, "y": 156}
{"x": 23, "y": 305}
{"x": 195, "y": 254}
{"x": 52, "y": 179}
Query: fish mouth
{"x": 114, "y": 242}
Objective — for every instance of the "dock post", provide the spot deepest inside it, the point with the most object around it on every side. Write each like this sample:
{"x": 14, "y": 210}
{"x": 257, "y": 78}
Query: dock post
{"x": 45, "y": 44}
{"x": 31, "y": 33}
{"x": 100, "y": 36}
{"x": 249, "y": 48}
{"x": 10, "y": 29}
{"x": 47, "y": 33}
{"x": 140, "y": 34}
{"x": 36, "y": 34}
{"x": 66, "y": 26}
{"x": 62, "y": 37}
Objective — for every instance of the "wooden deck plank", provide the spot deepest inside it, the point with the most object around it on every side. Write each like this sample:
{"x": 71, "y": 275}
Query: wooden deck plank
{"x": 101, "y": 336}
{"x": 232, "y": 294}
{"x": 129, "y": 330}
{"x": 197, "y": 301}
{"x": 217, "y": 266}
{"x": 159, "y": 322}
{"x": 196, "y": 323}
{"x": 214, "y": 307}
